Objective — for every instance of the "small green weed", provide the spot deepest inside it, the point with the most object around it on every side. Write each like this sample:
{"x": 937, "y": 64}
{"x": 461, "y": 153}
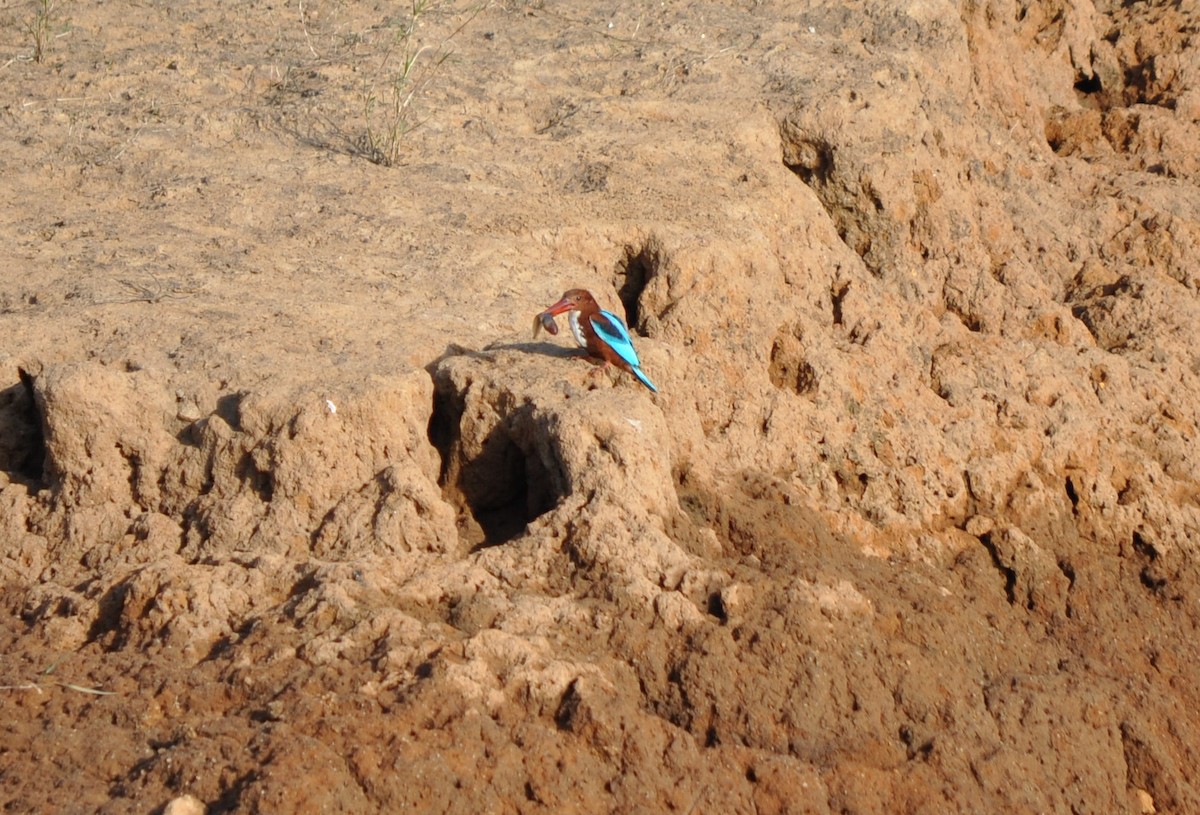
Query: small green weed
{"x": 39, "y": 27}
{"x": 408, "y": 68}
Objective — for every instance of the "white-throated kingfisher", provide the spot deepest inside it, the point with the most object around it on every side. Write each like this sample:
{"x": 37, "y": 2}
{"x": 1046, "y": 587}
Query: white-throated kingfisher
{"x": 602, "y": 333}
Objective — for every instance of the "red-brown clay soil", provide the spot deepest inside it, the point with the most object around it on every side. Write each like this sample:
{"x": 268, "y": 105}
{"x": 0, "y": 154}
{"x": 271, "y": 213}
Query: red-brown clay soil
{"x": 296, "y": 516}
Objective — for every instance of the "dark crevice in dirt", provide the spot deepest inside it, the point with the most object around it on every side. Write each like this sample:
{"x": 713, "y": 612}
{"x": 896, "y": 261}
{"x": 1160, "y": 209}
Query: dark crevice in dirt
{"x": 1140, "y": 84}
{"x": 224, "y": 645}
{"x": 261, "y": 482}
{"x": 22, "y": 437}
{"x": 1151, "y": 573}
{"x": 51, "y": 607}
{"x": 189, "y": 434}
{"x": 638, "y": 268}
{"x": 1088, "y": 84}
{"x": 108, "y": 617}
{"x": 443, "y": 427}
{"x": 788, "y": 369}
{"x": 231, "y": 801}
{"x": 851, "y": 483}
{"x": 126, "y": 787}
{"x": 836, "y": 297}
{"x": 716, "y": 607}
{"x": 676, "y": 707}
{"x": 307, "y": 582}
{"x": 1144, "y": 547}
{"x": 1009, "y": 574}
{"x": 1072, "y": 495}
{"x": 229, "y": 408}
{"x": 915, "y": 748}
{"x": 134, "y": 460}
{"x": 972, "y": 507}
{"x": 501, "y": 489}
{"x": 568, "y": 707}
{"x": 1145, "y": 770}
{"x": 811, "y": 159}
{"x": 1068, "y": 571}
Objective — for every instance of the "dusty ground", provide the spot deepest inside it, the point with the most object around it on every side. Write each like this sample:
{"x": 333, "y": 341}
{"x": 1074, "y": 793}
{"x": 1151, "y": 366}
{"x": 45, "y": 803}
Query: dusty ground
{"x": 295, "y": 516}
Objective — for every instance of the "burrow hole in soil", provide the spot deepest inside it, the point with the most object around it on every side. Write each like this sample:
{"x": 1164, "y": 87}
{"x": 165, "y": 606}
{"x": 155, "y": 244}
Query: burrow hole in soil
{"x": 637, "y": 267}
{"x": 22, "y": 442}
{"x": 499, "y": 491}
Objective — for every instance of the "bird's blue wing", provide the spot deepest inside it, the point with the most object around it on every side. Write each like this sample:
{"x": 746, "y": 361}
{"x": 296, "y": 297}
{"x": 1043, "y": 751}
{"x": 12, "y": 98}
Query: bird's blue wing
{"x": 609, "y": 328}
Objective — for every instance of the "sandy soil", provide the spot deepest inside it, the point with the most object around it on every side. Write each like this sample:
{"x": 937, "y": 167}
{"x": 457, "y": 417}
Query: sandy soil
{"x": 297, "y": 516}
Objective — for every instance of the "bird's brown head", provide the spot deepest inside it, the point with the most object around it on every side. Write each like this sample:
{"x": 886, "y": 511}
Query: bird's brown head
{"x": 574, "y": 300}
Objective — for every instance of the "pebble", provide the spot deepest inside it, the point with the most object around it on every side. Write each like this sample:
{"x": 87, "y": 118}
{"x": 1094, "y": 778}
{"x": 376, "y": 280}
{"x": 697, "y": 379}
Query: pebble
{"x": 185, "y": 805}
{"x": 188, "y": 411}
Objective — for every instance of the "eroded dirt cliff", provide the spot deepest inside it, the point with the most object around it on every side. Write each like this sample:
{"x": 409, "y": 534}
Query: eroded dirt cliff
{"x": 295, "y": 515}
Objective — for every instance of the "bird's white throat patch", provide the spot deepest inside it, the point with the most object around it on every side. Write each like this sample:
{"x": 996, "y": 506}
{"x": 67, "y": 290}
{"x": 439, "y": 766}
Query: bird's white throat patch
{"x": 576, "y": 328}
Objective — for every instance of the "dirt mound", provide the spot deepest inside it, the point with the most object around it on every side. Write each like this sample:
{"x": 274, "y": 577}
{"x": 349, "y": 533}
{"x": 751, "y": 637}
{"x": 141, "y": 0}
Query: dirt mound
{"x": 294, "y": 514}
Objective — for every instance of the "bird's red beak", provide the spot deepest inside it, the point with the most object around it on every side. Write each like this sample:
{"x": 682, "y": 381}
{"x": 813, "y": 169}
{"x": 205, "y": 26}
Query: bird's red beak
{"x": 561, "y": 307}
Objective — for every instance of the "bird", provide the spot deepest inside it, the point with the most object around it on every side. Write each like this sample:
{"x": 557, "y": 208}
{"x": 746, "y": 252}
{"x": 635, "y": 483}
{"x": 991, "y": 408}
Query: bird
{"x": 602, "y": 333}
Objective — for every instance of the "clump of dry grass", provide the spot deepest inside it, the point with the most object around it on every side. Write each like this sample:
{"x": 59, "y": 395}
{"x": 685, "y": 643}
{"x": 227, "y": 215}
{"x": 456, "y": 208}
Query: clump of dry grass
{"x": 45, "y": 680}
{"x": 408, "y": 67}
{"x": 396, "y": 63}
{"x": 40, "y": 26}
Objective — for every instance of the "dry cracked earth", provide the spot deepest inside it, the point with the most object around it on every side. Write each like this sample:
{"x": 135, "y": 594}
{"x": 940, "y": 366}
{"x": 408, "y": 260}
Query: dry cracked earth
{"x": 297, "y": 516}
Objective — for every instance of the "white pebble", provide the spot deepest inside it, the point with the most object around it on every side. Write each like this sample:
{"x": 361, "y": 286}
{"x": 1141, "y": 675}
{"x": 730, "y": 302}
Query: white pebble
{"x": 185, "y": 805}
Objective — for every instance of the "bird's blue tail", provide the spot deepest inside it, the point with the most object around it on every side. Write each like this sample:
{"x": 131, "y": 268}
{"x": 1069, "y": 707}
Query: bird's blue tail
{"x": 645, "y": 380}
